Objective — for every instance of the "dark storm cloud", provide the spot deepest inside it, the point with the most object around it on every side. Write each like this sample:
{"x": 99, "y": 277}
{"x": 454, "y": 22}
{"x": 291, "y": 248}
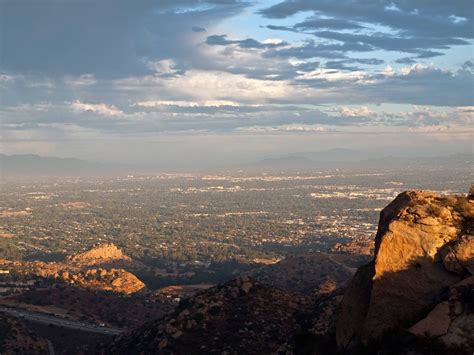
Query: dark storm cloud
{"x": 416, "y": 26}
{"x": 100, "y": 37}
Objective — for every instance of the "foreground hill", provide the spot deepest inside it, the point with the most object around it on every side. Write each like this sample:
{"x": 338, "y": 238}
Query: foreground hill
{"x": 415, "y": 296}
{"x": 239, "y": 316}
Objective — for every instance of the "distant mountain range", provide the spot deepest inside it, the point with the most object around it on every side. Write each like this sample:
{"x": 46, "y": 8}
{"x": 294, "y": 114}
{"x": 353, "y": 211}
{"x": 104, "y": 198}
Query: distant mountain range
{"x": 35, "y": 165}
{"x": 342, "y": 158}
{"x": 30, "y": 164}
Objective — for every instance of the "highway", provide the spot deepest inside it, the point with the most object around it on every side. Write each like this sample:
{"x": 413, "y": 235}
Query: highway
{"x": 58, "y": 321}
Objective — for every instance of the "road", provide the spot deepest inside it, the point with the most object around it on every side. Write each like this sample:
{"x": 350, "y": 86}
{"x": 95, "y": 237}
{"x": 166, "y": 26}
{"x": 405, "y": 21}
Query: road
{"x": 352, "y": 270}
{"x": 59, "y": 322}
{"x": 50, "y": 347}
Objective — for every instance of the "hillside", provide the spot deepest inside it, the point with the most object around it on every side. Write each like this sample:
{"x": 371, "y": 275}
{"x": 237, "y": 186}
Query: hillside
{"x": 15, "y": 338}
{"x": 238, "y": 316}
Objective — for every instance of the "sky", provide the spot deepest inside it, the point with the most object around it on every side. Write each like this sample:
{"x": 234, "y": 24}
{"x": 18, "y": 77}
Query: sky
{"x": 214, "y": 82}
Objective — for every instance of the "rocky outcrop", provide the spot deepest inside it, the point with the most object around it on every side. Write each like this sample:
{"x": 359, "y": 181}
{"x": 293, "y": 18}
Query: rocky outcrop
{"x": 308, "y": 274}
{"x": 115, "y": 280}
{"x": 359, "y": 246}
{"x": 424, "y": 246}
{"x": 241, "y": 316}
{"x": 99, "y": 254}
{"x": 99, "y": 269}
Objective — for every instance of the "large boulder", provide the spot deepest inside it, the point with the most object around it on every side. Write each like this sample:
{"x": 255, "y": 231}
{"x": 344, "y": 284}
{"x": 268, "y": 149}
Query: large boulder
{"x": 424, "y": 245}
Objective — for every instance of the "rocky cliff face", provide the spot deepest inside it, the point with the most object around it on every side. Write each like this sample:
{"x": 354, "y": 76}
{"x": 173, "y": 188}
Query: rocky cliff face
{"x": 421, "y": 271}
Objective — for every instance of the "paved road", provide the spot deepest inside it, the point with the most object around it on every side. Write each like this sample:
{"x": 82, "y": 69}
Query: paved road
{"x": 58, "y": 321}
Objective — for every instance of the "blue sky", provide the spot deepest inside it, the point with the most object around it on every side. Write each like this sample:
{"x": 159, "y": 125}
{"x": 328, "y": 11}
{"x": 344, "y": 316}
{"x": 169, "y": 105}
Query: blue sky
{"x": 168, "y": 81}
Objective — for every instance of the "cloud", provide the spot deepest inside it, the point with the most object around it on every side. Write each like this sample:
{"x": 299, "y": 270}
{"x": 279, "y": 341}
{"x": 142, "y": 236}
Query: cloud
{"x": 4, "y": 78}
{"x": 198, "y": 29}
{"x": 292, "y": 128}
{"x": 363, "y": 111}
{"x": 107, "y": 40}
{"x": 468, "y": 65}
{"x": 405, "y": 60}
{"x": 414, "y": 26}
{"x": 314, "y": 23}
{"x": 416, "y": 84}
{"x": 165, "y": 68}
{"x": 208, "y": 103}
{"x": 82, "y": 80}
{"x": 249, "y": 43}
{"x": 101, "y": 109}
{"x": 309, "y": 49}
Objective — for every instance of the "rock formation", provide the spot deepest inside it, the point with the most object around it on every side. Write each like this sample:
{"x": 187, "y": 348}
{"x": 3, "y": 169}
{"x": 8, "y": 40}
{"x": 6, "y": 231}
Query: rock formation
{"x": 99, "y": 254}
{"x": 422, "y": 266}
{"x": 115, "y": 280}
{"x": 100, "y": 269}
{"x": 358, "y": 246}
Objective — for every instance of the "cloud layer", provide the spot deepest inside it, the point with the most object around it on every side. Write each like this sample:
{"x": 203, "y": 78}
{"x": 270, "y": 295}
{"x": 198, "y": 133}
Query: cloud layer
{"x": 87, "y": 69}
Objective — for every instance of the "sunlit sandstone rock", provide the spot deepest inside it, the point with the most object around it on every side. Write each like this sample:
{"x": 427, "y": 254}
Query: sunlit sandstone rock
{"x": 424, "y": 244}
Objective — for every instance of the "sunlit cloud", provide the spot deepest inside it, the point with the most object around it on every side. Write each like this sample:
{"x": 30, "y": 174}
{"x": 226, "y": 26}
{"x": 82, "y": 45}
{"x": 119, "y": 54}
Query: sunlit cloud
{"x": 101, "y": 109}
